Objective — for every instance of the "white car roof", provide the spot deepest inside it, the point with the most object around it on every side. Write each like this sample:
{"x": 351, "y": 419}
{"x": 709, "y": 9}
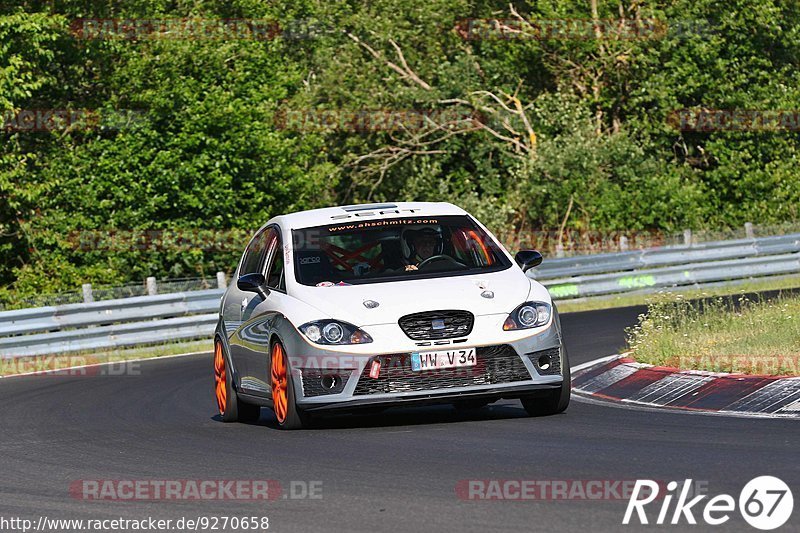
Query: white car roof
{"x": 334, "y": 215}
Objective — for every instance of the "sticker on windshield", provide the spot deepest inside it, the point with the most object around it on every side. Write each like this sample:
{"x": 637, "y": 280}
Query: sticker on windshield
{"x": 332, "y": 284}
{"x": 380, "y": 223}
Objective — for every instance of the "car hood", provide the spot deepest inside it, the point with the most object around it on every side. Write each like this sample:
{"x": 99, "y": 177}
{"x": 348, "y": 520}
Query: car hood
{"x": 396, "y": 299}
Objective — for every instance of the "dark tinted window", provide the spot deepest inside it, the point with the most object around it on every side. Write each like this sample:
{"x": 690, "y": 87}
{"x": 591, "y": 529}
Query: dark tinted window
{"x": 256, "y": 252}
{"x": 394, "y": 249}
{"x": 275, "y": 275}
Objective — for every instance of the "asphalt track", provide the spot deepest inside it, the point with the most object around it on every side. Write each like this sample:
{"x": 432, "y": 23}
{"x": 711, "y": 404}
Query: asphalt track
{"x": 396, "y": 471}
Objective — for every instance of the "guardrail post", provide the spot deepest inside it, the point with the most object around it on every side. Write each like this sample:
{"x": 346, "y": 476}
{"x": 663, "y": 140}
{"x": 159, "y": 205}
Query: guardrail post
{"x": 748, "y": 230}
{"x": 152, "y": 288}
{"x": 623, "y": 243}
{"x": 88, "y": 297}
{"x": 222, "y": 282}
{"x": 687, "y": 237}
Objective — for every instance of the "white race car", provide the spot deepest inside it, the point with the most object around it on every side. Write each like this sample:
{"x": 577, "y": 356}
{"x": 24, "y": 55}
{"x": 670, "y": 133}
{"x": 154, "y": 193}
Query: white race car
{"x": 381, "y": 305}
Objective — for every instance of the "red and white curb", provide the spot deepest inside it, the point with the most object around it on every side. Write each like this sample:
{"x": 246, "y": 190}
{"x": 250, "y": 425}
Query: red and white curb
{"x": 621, "y": 379}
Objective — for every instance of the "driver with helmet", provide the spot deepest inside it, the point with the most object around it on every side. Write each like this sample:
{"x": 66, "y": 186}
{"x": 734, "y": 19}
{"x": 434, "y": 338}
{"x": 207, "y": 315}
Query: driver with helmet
{"x": 421, "y": 245}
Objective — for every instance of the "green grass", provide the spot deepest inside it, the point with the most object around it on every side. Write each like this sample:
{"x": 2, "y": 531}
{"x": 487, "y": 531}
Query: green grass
{"x": 625, "y": 300}
{"x": 22, "y": 365}
{"x": 720, "y": 334}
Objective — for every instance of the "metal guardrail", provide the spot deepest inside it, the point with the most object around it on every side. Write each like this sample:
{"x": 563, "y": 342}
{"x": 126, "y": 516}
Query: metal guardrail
{"x": 109, "y": 324}
{"x": 26, "y": 321}
{"x": 112, "y": 336}
{"x": 675, "y": 266}
{"x": 189, "y": 315}
{"x": 671, "y": 255}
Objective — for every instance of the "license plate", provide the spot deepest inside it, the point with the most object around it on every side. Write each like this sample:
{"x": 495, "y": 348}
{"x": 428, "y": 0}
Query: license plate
{"x": 442, "y": 359}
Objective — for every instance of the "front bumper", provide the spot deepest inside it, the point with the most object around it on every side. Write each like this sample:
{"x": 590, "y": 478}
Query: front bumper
{"x": 504, "y": 370}
{"x": 490, "y": 394}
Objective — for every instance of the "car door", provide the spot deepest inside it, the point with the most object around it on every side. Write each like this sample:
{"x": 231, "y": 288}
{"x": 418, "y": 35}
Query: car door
{"x": 239, "y": 304}
{"x": 265, "y": 312}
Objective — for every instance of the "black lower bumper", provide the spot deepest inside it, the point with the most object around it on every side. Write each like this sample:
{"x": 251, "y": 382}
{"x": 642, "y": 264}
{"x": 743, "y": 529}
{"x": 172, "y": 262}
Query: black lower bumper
{"x": 490, "y": 394}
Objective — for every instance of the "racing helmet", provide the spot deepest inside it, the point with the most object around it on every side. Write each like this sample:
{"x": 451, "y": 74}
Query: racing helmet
{"x": 410, "y": 236}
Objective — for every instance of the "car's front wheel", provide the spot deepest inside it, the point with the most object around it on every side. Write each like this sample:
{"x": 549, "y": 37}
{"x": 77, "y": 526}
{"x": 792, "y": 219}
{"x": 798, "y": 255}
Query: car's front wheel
{"x": 555, "y": 401}
{"x": 231, "y": 408}
{"x": 283, "y": 396}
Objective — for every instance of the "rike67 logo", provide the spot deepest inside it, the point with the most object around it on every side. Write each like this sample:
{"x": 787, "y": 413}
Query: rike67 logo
{"x": 765, "y": 503}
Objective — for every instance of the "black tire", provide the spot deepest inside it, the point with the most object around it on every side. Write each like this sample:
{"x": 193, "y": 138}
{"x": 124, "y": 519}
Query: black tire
{"x": 295, "y": 418}
{"x": 235, "y": 410}
{"x": 555, "y": 401}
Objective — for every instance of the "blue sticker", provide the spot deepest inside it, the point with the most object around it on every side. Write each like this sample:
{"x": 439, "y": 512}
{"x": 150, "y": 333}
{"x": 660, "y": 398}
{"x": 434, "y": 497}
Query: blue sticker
{"x": 415, "y": 364}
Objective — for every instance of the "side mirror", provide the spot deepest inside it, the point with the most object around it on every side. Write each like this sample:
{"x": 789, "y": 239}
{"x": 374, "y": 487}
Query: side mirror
{"x": 253, "y": 283}
{"x": 527, "y": 259}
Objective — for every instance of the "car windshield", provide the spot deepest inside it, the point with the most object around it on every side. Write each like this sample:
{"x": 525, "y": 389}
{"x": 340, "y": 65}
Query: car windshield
{"x": 394, "y": 249}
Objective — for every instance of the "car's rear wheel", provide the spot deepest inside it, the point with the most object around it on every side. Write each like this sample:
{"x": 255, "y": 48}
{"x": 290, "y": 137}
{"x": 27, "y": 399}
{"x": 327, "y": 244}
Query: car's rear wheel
{"x": 231, "y": 408}
{"x": 283, "y": 396}
{"x": 555, "y": 401}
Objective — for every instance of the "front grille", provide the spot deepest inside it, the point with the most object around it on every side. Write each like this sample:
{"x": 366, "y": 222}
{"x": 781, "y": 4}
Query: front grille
{"x": 312, "y": 381}
{"x": 495, "y": 364}
{"x": 554, "y": 357}
{"x": 433, "y": 325}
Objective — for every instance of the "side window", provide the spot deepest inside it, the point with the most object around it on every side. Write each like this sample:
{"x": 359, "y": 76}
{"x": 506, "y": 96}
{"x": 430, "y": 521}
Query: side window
{"x": 470, "y": 247}
{"x": 275, "y": 275}
{"x": 256, "y": 252}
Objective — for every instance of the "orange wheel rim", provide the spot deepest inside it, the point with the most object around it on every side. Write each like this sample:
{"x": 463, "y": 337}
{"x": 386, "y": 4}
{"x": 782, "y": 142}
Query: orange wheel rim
{"x": 280, "y": 395}
{"x": 220, "y": 378}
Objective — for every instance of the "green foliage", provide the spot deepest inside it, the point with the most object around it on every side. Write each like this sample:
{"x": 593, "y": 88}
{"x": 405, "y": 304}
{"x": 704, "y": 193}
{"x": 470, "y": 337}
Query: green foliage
{"x": 722, "y": 334}
{"x": 196, "y": 147}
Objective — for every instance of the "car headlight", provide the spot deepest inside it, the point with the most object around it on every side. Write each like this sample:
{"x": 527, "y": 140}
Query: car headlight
{"x": 334, "y": 332}
{"x": 528, "y": 315}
